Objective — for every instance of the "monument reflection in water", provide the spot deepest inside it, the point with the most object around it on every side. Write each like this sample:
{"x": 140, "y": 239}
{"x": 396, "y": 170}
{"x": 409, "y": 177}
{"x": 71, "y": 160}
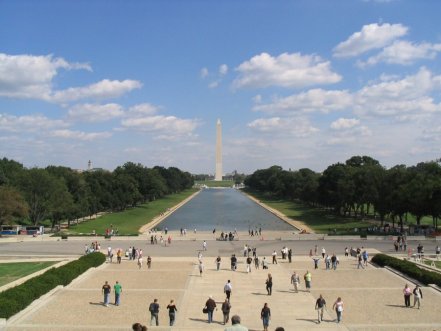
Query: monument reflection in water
{"x": 223, "y": 210}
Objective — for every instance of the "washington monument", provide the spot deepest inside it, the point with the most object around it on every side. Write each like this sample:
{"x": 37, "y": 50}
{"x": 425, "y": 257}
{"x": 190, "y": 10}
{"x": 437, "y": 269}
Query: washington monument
{"x": 218, "y": 175}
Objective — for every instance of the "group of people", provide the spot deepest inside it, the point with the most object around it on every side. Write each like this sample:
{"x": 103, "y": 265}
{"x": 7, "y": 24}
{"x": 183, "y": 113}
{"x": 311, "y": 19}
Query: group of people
{"x": 106, "y": 289}
{"x": 154, "y": 312}
{"x": 417, "y": 296}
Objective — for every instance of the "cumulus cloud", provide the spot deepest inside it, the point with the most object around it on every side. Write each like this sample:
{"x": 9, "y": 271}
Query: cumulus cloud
{"x": 299, "y": 127}
{"x": 223, "y": 69}
{"x": 80, "y": 135}
{"x": 31, "y": 77}
{"x": 315, "y": 100}
{"x": 28, "y": 123}
{"x": 396, "y": 97}
{"x": 285, "y": 70}
{"x": 104, "y": 89}
{"x": 372, "y": 36}
{"x": 404, "y": 53}
{"x": 168, "y": 125}
{"x": 143, "y": 109}
{"x": 204, "y": 72}
{"x": 344, "y": 123}
{"x": 95, "y": 112}
{"x": 404, "y": 98}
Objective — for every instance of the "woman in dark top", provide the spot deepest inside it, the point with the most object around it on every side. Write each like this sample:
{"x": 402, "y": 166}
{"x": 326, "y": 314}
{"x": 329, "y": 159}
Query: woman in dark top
{"x": 269, "y": 284}
{"x": 265, "y": 315}
{"x": 172, "y": 312}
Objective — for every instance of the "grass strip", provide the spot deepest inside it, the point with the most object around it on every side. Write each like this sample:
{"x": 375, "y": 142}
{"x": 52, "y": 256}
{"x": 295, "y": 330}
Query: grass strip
{"x": 19, "y": 297}
{"x": 10, "y": 272}
{"x": 129, "y": 222}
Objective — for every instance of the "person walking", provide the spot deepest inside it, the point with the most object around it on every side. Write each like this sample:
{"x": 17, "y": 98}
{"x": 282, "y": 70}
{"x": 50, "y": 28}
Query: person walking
{"x": 249, "y": 261}
{"x": 407, "y": 293}
{"x": 201, "y": 268}
{"x": 210, "y": 306}
{"x": 106, "y": 291}
{"x": 323, "y": 252}
{"x": 233, "y": 262}
{"x": 316, "y": 261}
{"x": 360, "y": 262}
{"x": 269, "y": 284}
{"x": 308, "y": 278}
{"x": 154, "y": 312}
{"x": 256, "y": 262}
{"x": 274, "y": 257}
{"x": 265, "y": 315}
{"x": 227, "y": 289}
{"x": 117, "y": 288}
{"x": 218, "y": 262}
{"x": 338, "y": 306}
{"x": 289, "y": 255}
{"x": 417, "y": 296}
{"x": 295, "y": 280}
{"x": 226, "y": 307}
{"x": 172, "y": 312}
{"x": 320, "y": 306}
{"x": 149, "y": 262}
{"x": 235, "y": 325}
{"x": 204, "y": 245}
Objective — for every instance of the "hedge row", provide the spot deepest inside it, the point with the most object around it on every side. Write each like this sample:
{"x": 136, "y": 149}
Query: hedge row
{"x": 408, "y": 268}
{"x": 18, "y": 298}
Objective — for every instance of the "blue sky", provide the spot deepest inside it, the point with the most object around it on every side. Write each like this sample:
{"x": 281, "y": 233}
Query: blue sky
{"x": 295, "y": 83}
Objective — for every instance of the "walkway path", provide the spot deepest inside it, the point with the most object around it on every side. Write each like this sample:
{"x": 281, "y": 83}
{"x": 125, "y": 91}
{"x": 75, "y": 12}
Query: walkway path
{"x": 373, "y": 298}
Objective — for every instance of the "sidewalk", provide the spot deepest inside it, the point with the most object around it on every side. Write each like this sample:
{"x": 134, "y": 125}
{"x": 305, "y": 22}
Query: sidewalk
{"x": 373, "y": 298}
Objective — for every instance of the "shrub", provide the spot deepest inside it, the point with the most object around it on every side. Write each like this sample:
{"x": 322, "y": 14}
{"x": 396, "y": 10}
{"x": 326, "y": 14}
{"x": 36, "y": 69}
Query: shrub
{"x": 17, "y": 298}
{"x": 408, "y": 268}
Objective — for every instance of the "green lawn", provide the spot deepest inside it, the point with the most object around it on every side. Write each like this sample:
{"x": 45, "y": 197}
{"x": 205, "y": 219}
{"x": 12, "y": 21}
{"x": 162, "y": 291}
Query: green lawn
{"x": 212, "y": 183}
{"x": 13, "y": 271}
{"x": 319, "y": 220}
{"x": 437, "y": 263}
{"x": 131, "y": 220}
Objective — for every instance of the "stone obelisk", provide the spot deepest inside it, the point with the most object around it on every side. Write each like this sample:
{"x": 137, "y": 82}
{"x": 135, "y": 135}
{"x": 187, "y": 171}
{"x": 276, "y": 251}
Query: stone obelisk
{"x": 218, "y": 175}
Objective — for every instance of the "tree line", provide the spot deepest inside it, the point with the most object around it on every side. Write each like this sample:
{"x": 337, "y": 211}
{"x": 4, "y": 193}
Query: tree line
{"x": 358, "y": 187}
{"x": 60, "y": 193}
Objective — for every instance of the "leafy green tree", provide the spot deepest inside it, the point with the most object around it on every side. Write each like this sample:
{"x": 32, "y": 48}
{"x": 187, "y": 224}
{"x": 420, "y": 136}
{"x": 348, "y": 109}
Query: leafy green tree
{"x": 38, "y": 187}
{"x": 12, "y": 205}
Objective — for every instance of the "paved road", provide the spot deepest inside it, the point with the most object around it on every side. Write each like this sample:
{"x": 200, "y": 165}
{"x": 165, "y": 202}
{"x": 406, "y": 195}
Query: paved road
{"x": 191, "y": 245}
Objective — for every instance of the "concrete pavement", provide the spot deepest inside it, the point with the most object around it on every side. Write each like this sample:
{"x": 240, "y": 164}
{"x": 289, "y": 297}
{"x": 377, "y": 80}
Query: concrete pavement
{"x": 373, "y": 298}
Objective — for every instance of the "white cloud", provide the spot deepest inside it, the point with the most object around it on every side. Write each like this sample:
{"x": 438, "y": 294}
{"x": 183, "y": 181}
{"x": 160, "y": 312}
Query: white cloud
{"x": 143, "y": 109}
{"x": 310, "y": 101}
{"x": 344, "y": 123}
{"x": 28, "y": 123}
{"x": 102, "y": 90}
{"x": 30, "y": 76}
{"x": 286, "y": 70}
{"x": 204, "y": 72}
{"x": 299, "y": 127}
{"x": 372, "y": 36}
{"x": 223, "y": 69}
{"x": 257, "y": 98}
{"x": 403, "y": 52}
{"x": 94, "y": 112}
{"x": 395, "y": 97}
{"x": 167, "y": 125}
{"x": 403, "y": 98}
{"x": 213, "y": 84}
{"x": 79, "y": 135}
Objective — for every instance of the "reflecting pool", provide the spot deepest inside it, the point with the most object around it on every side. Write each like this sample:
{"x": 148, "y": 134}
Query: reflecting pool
{"x": 223, "y": 209}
